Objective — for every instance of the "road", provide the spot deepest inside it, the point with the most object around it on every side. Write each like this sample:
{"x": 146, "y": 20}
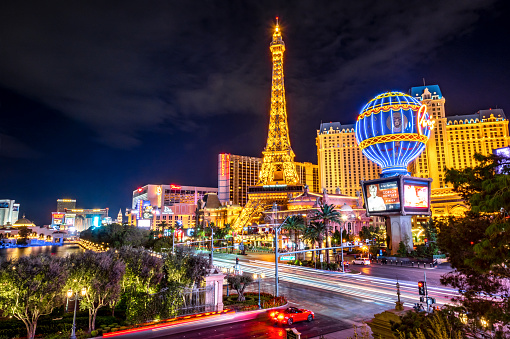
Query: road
{"x": 360, "y": 286}
{"x": 338, "y": 300}
{"x": 376, "y": 270}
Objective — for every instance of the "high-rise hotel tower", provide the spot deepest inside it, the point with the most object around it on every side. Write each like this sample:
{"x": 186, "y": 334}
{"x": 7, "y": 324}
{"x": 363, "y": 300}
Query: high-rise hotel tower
{"x": 454, "y": 141}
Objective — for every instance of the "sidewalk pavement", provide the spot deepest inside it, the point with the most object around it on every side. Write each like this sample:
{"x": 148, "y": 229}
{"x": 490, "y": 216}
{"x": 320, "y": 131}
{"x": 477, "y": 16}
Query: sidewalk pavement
{"x": 348, "y": 333}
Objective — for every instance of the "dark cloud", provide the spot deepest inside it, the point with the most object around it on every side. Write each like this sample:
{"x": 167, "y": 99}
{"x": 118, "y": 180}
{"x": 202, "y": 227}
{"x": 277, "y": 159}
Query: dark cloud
{"x": 13, "y": 148}
{"x": 129, "y": 67}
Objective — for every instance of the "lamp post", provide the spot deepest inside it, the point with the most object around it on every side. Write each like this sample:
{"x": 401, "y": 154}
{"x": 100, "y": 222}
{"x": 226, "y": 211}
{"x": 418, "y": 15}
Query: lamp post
{"x": 70, "y": 294}
{"x": 344, "y": 218}
{"x": 258, "y": 277}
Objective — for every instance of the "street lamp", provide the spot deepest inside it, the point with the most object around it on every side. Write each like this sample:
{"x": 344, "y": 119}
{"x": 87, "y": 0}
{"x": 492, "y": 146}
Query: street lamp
{"x": 344, "y": 218}
{"x": 70, "y": 294}
{"x": 258, "y": 277}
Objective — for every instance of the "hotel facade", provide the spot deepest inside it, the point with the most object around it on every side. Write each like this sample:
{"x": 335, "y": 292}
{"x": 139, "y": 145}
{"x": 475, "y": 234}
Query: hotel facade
{"x": 454, "y": 141}
{"x": 237, "y": 172}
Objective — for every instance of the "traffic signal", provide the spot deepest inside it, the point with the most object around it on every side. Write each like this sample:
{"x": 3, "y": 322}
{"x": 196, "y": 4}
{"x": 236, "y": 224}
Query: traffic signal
{"x": 237, "y": 261}
{"x": 421, "y": 287}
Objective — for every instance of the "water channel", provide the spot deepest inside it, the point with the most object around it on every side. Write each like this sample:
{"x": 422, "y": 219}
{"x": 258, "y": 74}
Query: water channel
{"x": 60, "y": 251}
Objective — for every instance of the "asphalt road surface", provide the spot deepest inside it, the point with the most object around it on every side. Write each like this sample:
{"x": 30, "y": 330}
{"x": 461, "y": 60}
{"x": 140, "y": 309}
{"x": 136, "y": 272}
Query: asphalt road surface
{"x": 262, "y": 327}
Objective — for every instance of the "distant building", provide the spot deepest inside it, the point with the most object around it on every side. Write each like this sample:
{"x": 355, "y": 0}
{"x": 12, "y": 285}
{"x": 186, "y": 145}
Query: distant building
{"x": 9, "y": 212}
{"x": 80, "y": 219}
{"x": 62, "y": 204}
{"x": 171, "y": 205}
{"x": 119, "y": 217}
{"x": 237, "y": 172}
{"x": 341, "y": 163}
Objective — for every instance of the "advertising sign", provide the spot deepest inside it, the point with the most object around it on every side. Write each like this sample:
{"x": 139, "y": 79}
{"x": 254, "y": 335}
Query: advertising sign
{"x": 383, "y": 196}
{"x": 143, "y": 223}
{"x": 167, "y": 210}
{"x": 70, "y": 219}
{"x": 397, "y": 195}
{"x": 57, "y": 218}
{"x": 503, "y": 152}
{"x": 15, "y": 208}
{"x": 416, "y": 195}
{"x": 4, "y": 205}
{"x": 144, "y": 209}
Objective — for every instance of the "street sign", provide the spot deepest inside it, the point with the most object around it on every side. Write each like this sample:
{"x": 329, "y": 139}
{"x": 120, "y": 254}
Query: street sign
{"x": 321, "y": 257}
{"x": 288, "y": 257}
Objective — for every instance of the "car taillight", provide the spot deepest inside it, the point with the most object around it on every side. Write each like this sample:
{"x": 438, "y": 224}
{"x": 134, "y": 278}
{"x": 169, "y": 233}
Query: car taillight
{"x": 280, "y": 316}
{"x": 272, "y": 314}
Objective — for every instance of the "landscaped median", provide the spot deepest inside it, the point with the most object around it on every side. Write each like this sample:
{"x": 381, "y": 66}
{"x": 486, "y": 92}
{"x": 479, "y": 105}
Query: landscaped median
{"x": 165, "y": 323}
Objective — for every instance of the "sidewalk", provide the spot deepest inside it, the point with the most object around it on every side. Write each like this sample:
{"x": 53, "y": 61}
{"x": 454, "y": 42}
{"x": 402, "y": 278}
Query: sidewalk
{"x": 348, "y": 333}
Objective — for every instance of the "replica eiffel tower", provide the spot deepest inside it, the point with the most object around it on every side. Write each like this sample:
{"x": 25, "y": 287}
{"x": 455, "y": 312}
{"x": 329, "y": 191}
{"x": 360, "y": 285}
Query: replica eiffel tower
{"x": 278, "y": 178}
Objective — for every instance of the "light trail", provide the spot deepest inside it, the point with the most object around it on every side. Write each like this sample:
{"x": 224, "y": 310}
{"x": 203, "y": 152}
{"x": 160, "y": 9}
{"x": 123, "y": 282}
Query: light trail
{"x": 363, "y": 287}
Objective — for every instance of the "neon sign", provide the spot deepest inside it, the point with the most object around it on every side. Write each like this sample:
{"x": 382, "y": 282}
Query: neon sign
{"x": 224, "y": 164}
{"x": 392, "y": 130}
{"x": 422, "y": 122}
{"x": 175, "y": 187}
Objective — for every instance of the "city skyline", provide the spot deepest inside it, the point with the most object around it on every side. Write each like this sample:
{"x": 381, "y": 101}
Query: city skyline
{"x": 63, "y": 138}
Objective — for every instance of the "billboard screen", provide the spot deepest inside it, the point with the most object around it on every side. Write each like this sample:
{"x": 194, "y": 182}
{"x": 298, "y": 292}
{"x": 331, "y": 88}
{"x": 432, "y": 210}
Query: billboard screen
{"x": 57, "y": 218}
{"x": 70, "y": 218}
{"x": 4, "y": 205}
{"x": 382, "y": 196}
{"x": 416, "y": 195}
{"x": 143, "y": 223}
{"x": 503, "y": 152}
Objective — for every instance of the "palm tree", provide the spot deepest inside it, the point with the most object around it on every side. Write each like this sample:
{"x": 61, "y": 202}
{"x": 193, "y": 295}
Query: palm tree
{"x": 294, "y": 224}
{"x": 327, "y": 213}
{"x": 314, "y": 234}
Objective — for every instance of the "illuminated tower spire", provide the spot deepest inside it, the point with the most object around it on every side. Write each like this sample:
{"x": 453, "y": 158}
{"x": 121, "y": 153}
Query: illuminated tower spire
{"x": 278, "y": 157}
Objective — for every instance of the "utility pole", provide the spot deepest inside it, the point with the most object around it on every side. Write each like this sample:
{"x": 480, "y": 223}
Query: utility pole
{"x": 276, "y": 229}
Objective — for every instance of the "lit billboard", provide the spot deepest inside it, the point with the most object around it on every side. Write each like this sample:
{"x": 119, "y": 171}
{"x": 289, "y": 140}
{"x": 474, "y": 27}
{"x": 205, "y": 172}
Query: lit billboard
{"x": 504, "y": 153}
{"x": 70, "y": 219}
{"x": 57, "y": 218}
{"x": 397, "y": 195}
{"x": 143, "y": 223}
{"x": 416, "y": 195}
{"x": 383, "y": 196}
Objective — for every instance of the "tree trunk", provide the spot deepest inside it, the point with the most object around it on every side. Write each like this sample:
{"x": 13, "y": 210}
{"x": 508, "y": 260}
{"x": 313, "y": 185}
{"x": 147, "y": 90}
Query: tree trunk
{"x": 328, "y": 244}
{"x": 90, "y": 320}
{"x": 30, "y": 329}
{"x": 94, "y": 319}
{"x": 313, "y": 252}
{"x": 296, "y": 239}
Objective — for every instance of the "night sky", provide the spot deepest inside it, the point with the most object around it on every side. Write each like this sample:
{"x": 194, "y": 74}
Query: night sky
{"x": 98, "y": 98}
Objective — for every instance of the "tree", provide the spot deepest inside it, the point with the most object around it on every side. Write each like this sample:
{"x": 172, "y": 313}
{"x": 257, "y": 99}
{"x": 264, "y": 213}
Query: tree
{"x": 402, "y": 249}
{"x": 295, "y": 224}
{"x": 185, "y": 268}
{"x": 101, "y": 274}
{"x": 486, "y": 186}
{"x": 477, "y": 244}
{"x": 23, "y": 234}
{"x": 32, "y": 286}
{"x": 327, "y": 213}
{"x": 239, "y": 283}
{"x": 314, "y": 233}
{"x": 442, "y": 324}
{"x": 143, "y": 270}
{"x": 371, "y": 232}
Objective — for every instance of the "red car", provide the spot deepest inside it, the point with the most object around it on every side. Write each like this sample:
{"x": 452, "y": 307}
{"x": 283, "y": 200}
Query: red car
{"x": 291, "y": 315}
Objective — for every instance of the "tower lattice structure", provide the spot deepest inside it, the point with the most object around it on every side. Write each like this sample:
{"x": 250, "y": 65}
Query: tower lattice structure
{"x": 278, "y": 178}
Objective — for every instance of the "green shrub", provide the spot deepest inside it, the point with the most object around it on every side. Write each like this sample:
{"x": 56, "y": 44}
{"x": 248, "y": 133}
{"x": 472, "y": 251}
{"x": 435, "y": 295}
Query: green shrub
{"x": 93, "y": 333}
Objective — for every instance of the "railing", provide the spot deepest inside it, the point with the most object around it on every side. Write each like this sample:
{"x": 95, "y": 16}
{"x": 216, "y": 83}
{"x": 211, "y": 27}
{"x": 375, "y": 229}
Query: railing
{"x": 418, "y": 264}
